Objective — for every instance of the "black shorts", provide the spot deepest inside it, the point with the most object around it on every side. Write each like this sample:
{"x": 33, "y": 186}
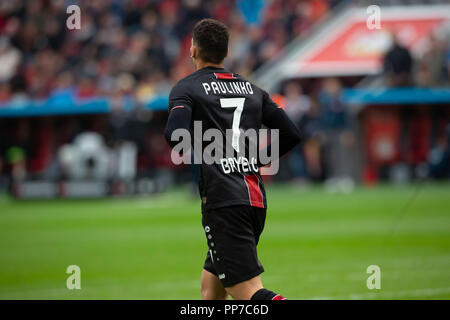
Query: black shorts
{"x": 232, "y": 234}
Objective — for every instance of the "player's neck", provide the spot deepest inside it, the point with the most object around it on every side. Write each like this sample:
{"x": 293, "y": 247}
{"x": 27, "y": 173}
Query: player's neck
{"x": 201, "y": 64}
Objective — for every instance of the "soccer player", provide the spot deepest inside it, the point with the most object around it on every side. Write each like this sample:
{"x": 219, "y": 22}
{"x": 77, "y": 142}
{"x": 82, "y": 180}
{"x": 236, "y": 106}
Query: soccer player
{"x": 232, "y": 191}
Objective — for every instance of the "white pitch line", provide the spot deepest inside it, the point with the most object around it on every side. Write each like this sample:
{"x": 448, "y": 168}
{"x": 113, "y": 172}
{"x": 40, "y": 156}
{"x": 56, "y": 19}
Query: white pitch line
{"x": 92, "y": 290}
{"x": 390, "y": 294}
{"x": 425, "y": 292}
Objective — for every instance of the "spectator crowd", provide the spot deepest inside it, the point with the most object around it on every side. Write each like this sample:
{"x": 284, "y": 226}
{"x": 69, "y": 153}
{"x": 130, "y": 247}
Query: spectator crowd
{"x": 137, "y": 47}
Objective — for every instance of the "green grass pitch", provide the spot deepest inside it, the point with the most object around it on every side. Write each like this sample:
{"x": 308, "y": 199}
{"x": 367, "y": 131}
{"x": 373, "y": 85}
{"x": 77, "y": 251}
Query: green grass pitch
{"x": 315, "y": 245}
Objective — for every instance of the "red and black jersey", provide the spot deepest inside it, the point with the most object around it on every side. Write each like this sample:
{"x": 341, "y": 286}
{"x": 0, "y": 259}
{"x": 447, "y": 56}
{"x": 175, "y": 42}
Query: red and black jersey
{"x": 220, "y": 100}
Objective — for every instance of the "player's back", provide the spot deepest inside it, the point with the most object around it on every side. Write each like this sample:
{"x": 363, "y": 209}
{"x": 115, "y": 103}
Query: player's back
{"x": 225, "y": 103}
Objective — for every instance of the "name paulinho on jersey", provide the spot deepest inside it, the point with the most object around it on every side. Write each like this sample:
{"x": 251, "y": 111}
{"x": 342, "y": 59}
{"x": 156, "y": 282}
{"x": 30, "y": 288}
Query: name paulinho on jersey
{"x": 223, "y": 87}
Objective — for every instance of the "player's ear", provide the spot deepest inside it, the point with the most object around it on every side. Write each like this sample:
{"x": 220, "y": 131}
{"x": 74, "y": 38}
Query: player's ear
{"x": 193, "y": 49}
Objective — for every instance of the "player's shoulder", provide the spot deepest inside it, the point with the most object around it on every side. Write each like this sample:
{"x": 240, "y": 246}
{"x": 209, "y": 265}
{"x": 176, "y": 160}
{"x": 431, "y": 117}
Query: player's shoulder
{"x": 255, "y": 87}
{"x": 184, "y": 84}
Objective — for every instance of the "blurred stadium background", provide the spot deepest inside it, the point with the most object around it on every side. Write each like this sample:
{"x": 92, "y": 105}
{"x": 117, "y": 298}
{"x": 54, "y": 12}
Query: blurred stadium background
{"x": 86, "y": 176}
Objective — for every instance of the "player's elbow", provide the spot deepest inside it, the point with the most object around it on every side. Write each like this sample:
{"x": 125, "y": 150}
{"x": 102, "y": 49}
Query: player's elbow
{"x": 168, "y": 136}
{"x": 295, "y": 136}
{"x": 298, "y": 138}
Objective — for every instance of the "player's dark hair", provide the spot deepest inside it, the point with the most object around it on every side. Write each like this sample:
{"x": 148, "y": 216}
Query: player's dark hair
{"x": 211, "y": 38}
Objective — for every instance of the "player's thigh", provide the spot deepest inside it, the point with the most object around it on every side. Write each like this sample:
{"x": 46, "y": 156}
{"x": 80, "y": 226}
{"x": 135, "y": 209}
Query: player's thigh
{"x": 246, "y": 289}
{"x": 211, "y": 287}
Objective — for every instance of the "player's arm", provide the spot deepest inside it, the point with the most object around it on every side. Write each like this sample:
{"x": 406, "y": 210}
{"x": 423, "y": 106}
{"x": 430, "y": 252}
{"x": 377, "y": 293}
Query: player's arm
{"x": 274, "y": 117}
{"x": 180, "y": 113}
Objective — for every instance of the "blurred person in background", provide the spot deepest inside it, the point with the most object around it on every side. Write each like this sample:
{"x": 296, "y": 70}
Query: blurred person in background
{"x": 311, "y": 127}
{"x": 431, "y": 69}
{"x": 397, "y": 64}
{"x": 439, "y": 158}
{"x": 10, "y": 59}
{"x": 338, "y": 137}
{"x": 18, "y": 149}
{"x": 2, "y": 162}
{"x": 297, "y": 105}
{"x": 447, "y": 60}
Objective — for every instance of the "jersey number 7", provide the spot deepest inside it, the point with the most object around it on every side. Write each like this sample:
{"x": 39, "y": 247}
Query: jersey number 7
{"x": 237, "y": 103}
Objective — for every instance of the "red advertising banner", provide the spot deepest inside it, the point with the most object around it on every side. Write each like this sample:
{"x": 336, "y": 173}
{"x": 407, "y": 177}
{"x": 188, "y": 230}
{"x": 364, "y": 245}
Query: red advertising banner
{"x": 353, "y": 48}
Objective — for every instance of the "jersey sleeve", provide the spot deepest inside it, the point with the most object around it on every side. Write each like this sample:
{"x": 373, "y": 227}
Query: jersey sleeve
{"x": 274, "y": 117}
{"x": 180, "y": 112}
{"x": 270, "y": 110}
{"x": 180, "y": 97}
